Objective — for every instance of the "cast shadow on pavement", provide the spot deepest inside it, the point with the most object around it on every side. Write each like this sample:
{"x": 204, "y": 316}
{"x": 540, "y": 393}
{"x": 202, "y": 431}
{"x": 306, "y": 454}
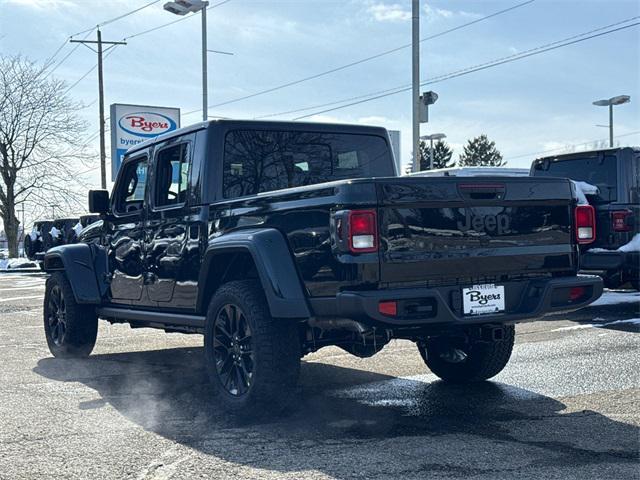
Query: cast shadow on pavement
{"x": 341, "y": 415}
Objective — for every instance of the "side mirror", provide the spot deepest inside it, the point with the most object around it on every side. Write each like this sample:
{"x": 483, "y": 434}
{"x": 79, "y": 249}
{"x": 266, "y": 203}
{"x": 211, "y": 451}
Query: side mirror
{"x": 98, "y": 201}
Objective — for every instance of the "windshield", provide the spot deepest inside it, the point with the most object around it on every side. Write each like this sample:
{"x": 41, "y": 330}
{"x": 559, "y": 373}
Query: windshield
{"x": 595, "y": 170}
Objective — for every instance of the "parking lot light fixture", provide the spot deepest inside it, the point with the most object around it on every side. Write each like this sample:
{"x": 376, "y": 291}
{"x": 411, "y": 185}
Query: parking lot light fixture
{"x": 617, "y": 100}
{"x": 431, "y": 138}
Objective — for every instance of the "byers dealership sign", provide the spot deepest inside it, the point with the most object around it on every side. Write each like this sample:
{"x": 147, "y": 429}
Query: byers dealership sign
{"x": 133, "y": 124}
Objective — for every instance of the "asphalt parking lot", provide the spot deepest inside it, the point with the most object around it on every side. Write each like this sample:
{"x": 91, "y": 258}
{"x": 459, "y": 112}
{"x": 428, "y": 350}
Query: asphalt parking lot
{"x": 567, "y": 406}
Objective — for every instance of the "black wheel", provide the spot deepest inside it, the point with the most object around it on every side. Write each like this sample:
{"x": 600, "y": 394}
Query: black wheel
{"x": 70, "y": 328}
{"x": 253, "y": 360}
{"x": 472, "y": 361}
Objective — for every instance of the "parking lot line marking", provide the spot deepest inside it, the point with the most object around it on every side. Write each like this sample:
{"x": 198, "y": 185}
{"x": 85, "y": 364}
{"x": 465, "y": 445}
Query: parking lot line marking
{"x": 33, "y": 287}
{"x": 19, "y": 298}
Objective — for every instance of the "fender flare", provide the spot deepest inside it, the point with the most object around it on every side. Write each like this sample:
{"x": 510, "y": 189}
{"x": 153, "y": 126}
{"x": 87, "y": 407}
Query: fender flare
{"x": 276, "y": 269}
{"x": 85, "y": 266}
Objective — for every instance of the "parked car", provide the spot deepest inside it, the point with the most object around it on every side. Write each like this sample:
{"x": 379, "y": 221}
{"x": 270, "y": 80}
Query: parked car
{"x": 46, "y": 234}
{"x": 275, "y": 239}
{"x": 615, "y": 172}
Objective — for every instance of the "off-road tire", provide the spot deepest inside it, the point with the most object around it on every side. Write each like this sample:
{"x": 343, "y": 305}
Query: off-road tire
{"x": 80, "y": 321}
{"x": 275, "y": 344}
{"x": 484, "y": 360}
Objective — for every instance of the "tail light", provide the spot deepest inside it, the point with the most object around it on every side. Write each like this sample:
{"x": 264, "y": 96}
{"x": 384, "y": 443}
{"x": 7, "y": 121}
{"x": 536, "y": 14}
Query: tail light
{"x": 585, "y": 224}
{"x": 389, "y": 308}
{"x": 619, "y": 221}
{"x": 576, "y": 293}
{"x": 362, "y": 231}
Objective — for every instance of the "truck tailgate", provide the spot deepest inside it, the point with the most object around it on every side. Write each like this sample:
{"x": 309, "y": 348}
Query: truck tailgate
{"x": 466, "y": 230}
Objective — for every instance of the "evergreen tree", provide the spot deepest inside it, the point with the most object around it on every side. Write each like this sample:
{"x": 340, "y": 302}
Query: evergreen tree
{"x": 480, "y": 152}
{"x": 442, "y": 154}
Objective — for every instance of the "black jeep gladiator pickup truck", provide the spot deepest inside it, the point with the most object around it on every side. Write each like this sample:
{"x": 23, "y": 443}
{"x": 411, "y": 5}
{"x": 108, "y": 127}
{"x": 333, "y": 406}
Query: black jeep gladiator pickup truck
{"x": 276, "y": 239}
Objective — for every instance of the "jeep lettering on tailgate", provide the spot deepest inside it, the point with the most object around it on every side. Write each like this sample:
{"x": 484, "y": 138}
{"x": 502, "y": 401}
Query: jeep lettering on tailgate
{"x": 498, "y": 224}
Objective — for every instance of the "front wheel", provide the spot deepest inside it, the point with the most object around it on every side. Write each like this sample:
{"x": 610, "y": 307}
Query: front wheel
{"x": 253, "y": 360}
{"x": 70, "y": 328}
{"x": 472, "y": 361}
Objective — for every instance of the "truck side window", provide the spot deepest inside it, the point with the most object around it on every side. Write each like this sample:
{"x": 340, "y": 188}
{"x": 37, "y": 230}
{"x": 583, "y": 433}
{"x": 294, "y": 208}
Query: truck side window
{"x": 130, "y": 192}
{"x": 172, "y": 175}
{"x": 263, "y": 160}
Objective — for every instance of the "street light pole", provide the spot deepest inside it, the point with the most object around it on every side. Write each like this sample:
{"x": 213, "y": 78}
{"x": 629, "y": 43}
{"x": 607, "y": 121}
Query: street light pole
{"x": 611, "y": 125}
{"x": 431, "y": 153}
{"x": 205, "y": 94}
{"x": 415, "y": 81}
{"x": 618, "y": 100}
{"x": 182, "y": 7}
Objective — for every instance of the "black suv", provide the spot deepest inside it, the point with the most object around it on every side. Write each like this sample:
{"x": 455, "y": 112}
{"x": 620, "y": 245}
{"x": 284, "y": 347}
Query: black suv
{"x": 275, "y": 239}
{"x": 615, "y": 252}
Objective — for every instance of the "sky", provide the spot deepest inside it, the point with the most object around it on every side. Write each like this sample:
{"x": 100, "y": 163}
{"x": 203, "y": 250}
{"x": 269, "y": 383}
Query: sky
{"x": 536, "y": 104}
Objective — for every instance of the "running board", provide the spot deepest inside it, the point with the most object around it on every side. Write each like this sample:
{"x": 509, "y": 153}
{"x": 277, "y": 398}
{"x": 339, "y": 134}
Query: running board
{"x": 162, "y": 318}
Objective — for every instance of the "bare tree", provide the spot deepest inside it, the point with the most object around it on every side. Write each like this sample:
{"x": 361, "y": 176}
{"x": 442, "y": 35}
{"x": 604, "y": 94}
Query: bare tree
{"x": 40, "y": 142}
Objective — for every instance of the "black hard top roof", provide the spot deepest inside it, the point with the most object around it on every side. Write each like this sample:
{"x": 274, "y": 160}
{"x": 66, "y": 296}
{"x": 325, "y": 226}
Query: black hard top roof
{"x": 571, "y": 155}
{"x": 264, "y": 124}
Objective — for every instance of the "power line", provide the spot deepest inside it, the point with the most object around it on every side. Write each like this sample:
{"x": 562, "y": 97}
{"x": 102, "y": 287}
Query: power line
{"x": 88, "y": 31}
{"x": 86, "y": 74}
{"x": 465, "y": 71}
{"x": 119, "y": 17}
{"x": 129, "y": 37}
{"x": 64, "y": 59}
{"x": 48, "y": 61}
{"x": 363, "y": 60}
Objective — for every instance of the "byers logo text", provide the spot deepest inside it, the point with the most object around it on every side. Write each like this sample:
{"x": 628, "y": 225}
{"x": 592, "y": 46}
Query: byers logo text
{"x": 145, "y": 125}
{"x": 482, "y": 298}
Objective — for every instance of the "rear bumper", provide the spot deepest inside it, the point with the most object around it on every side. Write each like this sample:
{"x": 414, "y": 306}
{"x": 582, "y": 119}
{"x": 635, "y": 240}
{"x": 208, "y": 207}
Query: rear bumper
{"x": 525, "y": 301}
{"x": 606, "y": 261}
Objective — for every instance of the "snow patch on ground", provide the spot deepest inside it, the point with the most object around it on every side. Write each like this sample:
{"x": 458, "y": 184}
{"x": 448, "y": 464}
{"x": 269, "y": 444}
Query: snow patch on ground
{"x": 628, "y": 321}
{"x": 616, "y": 297}
{"x": 16, "y": 263}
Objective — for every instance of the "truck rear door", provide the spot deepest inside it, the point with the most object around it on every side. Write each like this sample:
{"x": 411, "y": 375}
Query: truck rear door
{"x": 456, "y": 230}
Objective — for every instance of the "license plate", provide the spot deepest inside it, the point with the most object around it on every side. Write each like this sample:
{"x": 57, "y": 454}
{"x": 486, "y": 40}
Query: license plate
{"x": 483, "y": 299}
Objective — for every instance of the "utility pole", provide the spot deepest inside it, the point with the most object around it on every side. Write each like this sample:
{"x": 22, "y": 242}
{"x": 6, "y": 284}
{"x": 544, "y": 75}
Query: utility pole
{"x": 99, "y": 51}
{"x": 415, "y": 81}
